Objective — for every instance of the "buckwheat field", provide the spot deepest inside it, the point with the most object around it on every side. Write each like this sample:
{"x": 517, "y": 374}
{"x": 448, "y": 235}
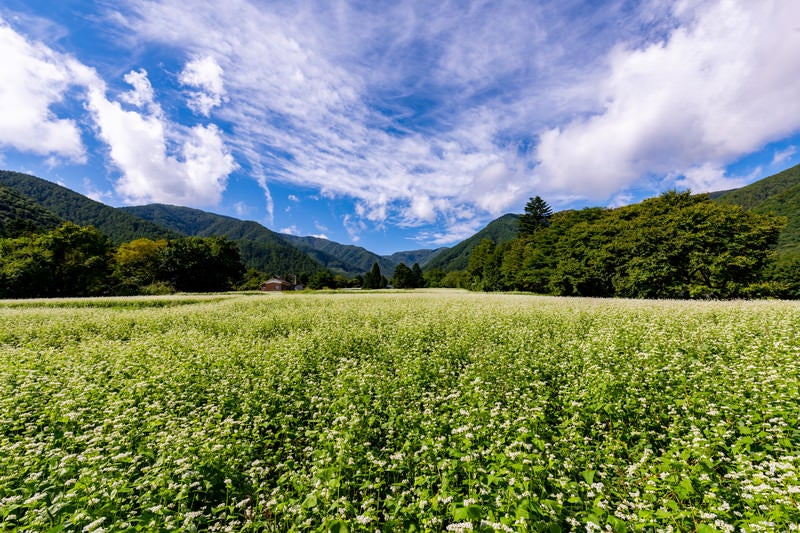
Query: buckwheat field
{"x": 388, "y": 411}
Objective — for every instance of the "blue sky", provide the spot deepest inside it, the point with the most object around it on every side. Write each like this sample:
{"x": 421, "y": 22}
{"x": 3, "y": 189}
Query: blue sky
{"x": 397, "y": 125}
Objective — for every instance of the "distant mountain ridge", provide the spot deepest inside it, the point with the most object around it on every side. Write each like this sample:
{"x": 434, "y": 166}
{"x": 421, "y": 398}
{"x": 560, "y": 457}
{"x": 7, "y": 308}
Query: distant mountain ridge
{"x": 31, "y": 203}
{"x": 499, "y": 230}
{"x": 261, "y": 248}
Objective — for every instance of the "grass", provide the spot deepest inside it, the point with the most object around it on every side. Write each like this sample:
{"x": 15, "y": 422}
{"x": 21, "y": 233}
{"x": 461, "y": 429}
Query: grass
{"x": 424, "y": 410}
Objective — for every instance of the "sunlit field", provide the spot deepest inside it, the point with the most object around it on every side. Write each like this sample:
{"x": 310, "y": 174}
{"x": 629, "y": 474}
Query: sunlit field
{"x": 423, "y": 410}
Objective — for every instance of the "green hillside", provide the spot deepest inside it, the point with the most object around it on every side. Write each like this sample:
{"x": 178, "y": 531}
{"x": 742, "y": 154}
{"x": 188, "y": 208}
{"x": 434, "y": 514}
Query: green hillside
{"x": 500, "y": 230}
{"x": 20, "y": 214}
{"x": 261, "y": 248}
{"x": 69, "y": 205}
{"x": 415, "y": 256}
{"x": 345, "y": 259}
{"x": 778, "y": 194}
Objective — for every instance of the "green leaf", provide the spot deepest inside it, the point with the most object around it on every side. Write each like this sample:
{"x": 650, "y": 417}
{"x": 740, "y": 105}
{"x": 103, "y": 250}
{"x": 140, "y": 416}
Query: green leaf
{"x": 310, "y": 502}
{"x": 588, "y": 476}
{"x": 339, "y": 527}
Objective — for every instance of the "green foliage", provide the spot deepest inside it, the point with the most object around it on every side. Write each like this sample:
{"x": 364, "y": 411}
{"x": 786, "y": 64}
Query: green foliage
{"x": 501, "y": 230}
{"x": 484, "y": 266}
{"x": 778, "y": 195}
{"x": 136, "y": 264}
{"x": 374, "y": 279}
{"x": 117, "y": 224}
{"x": 196, "y": 264}
{"x": 20, "y": 215}
{"x": 67, "y": 261}
{"x": 673, "y": 246}
{"x": 408, "y": 278}
{"x": 536, "y": 216}
{"x": 322, "y": 280}
{"x": 424, "y": 411}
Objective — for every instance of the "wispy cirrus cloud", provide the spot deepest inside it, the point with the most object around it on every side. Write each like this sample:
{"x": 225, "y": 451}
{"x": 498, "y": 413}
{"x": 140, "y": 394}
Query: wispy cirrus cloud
{"x": 336, "y": 99}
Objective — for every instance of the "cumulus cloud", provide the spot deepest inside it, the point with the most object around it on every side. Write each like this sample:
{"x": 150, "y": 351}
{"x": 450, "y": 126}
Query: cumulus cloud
{"x": 139, "y": 147}
{"x": 204, "y": 74}
{"x": 708, "y": 178}
{"x": 722, "y": 84}
{"x": 141, "y": 95}
{"x": 34, "y": 79}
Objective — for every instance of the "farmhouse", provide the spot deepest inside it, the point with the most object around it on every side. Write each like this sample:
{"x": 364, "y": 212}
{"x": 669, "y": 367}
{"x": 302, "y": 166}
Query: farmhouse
{"x": 278, "y": 284}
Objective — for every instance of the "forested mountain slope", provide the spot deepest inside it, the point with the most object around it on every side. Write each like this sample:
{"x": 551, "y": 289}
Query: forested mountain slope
{"x": 261, "y": 248}
{"x": 500, "y": 230}
{"x": 342, "y": 258}
{"x": 20, "y": 214}
{"x": 778, "y": 194}
{"x": 69, "y": 205}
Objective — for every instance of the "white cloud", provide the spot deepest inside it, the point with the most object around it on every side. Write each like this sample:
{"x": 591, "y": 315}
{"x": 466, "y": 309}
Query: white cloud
{"x": 423, "y": 113}
{"x": 319, "y": 236}
{"x": 92, "y": 191}
{"x": 723, "y": 84}
{"x": 141, "y": 96}
{"x": 782, "y": 156}
{"x": 301, "y": 99}
{"x": 34, "y": 79}
{"x": 708, "y": 178}
{"x": 293, "y": 198}
{"x": 241, "y": 209}
{"x": 195, "y": 175}
{"x": 204, "y": 74}
{"x": 290, "y": 230}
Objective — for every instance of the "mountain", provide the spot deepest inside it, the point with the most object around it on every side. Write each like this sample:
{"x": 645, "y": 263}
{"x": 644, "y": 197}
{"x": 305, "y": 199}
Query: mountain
{"x": 261, "y": 248}
{"x": 415, "y": 256}
{"x": 500, "y": 230}
{"x": 255, "y": 240}
{"x": 778, "y": 194}
{"x": 31, "y": 203}
{"x": 345, "y": 259}
{"x": 20, "y": 214}
{"x": 68, "y": 205}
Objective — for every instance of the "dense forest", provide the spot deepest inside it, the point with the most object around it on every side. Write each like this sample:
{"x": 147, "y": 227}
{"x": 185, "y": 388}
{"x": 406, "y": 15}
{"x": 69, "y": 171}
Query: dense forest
{"x": 677, "y": 245}
{"x": 72, "y": 260}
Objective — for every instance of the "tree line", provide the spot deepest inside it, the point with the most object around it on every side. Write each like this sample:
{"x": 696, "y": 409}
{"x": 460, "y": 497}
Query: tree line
{"x": 72, "y": 260}
{"x": 403, "y": 278}
{"x": 677, "y": 245}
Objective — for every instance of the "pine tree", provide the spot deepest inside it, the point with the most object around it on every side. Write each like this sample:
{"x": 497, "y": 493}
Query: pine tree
{"x": 537, "y": 215}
